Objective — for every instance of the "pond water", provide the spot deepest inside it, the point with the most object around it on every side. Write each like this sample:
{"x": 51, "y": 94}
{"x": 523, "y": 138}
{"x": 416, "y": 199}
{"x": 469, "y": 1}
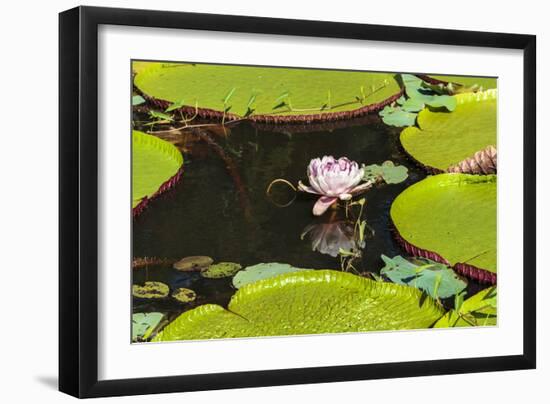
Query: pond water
{"x": 220, "y": 209}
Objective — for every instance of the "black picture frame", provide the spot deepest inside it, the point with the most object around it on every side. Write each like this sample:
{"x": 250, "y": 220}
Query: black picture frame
{"x": 78, "y": 196}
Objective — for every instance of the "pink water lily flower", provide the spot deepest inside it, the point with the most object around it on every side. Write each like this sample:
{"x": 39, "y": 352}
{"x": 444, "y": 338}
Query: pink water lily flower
{"x": 333, "y": 179}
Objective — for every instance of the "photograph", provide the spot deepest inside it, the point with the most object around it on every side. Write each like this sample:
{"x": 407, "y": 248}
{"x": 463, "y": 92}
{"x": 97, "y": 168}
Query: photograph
{"x": 275, "y": 201}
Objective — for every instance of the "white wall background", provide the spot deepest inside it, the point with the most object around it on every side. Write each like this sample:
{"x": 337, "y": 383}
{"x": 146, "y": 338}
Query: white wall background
{"x": 28, "y": 201}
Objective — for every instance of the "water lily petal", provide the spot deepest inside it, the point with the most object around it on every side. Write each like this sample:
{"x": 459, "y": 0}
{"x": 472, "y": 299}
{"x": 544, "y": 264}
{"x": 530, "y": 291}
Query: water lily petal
{"x": 322, "y": 204}
{"x": 304, "y": 188}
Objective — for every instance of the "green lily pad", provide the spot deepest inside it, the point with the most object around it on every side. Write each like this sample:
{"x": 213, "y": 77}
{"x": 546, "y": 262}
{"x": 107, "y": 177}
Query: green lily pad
{"x": 308, "y": 302}
{"x": 246, "y": 90}
{"x": 453, "y": 215}
{"x": 150, "y": 290}
{"x": 184, "y": 295}
{"x": 154, "y": 161}
{"x": 143, "y": 324}
{"x": 443, "y": 139}
{"x": 137, "y": 100}
{"x": 194, "y": 263}
{"x": 395, "y": 116}
{"x": 417, "y": 93}
{"x": 437, "y": 280}
{"x": 390, "y": 173}
{"x": 478, "y": 310}
{"x": 221, "y": 270}
{"x": 258, "y": 272}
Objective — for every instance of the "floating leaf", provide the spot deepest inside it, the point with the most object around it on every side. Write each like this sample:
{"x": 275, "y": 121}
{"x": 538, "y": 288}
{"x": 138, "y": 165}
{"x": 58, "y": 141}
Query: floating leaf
{"x": 150, "y": 290}
{"x": 308, "y": 302}
{"x": 154, "y": 162}
{"x": 478, "y": 310}
{"x": 221, "y": 270}
{"x": 137, "y": 100}
{"x": 213, "y": 87}
{"x": 453, "y": 215}
{"x": 412, "y": 105}
{"x": 143, "y": 324}
{"x": 390, "y": 173}
{"x": 416, "y": 91}
{"x": 193, "y": 263}
{"x": 443, "y": 139}
{"x": 398, "y": 117}
{"x": 261, "y": 271}
{"x": 184, "y": 295}
{"x": 437, "y": 280}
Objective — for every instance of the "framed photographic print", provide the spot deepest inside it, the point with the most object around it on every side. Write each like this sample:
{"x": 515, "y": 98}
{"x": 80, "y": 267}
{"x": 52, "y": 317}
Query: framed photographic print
{"x": 250, "y": 201}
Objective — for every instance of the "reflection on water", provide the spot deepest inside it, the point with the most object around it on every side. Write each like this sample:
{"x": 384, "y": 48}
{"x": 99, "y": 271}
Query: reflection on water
{"x": 220, "y": 209}
{"x": 333, "y": 236}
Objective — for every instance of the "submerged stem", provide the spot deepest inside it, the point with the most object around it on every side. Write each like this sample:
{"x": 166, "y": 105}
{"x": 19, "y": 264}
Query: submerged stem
{"x": 270, "y": 186}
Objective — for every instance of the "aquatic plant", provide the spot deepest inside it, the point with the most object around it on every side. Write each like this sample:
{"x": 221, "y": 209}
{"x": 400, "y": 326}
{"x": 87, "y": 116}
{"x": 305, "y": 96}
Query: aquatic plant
{"x": 143, "y": 325}
{"x": 451, "y": 218}
{"x": 404, "y": 111}
{"x": 262, "y": 271}
{"x": 444, "y": 139}
{"x": 308, "y": 302}
{"x": 434, "y": 278}
{"x": 458, "y": 84}
{"x": 221, "y": 270}
{"x": 387, "y": 172}
{"x": 184, "y": 295}
{"x": 151, "y": 290}
{"x": 478, "y": 310}
{"x": 156, "y": 167}
{"x": 266, "y": 94}
{"x": 333, "y": 180}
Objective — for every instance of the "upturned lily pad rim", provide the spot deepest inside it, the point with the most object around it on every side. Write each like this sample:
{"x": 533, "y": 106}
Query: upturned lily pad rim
{"x": 172, "y": 152}
{"x": 273, "y": 119}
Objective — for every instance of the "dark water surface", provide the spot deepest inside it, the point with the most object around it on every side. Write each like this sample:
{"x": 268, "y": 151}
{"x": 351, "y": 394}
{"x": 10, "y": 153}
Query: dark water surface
{"x": 225, "y": 213}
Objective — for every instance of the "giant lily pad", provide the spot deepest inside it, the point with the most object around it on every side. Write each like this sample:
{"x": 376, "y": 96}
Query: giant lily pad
{"x": 453, "y": 216}
{"x": 308, "y": 302}
{"x": 154, "y": 162}
{"x": 247, "y": 90}
{"x": 443, "y": 138}
{"x": 478, "y": 310}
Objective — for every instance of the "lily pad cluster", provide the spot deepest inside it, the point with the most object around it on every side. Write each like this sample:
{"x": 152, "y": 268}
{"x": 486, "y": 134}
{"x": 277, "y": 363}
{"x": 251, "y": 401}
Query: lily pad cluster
{"x": 419, "y": 95}
{"x": 434, "y": 278}
{"x": 387, "y": 172}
